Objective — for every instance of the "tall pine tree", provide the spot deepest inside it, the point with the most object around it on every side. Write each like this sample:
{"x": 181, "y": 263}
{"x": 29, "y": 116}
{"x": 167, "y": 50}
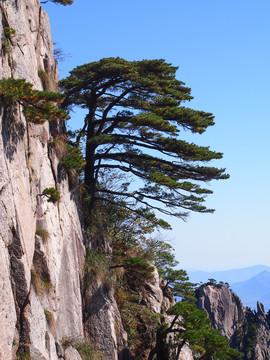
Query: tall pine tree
{"x": 134, "y": 117}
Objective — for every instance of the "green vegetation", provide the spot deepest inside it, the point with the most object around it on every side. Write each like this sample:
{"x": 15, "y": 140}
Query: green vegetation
{"x": 134, "y": 117}
{"x": 191, "y": 326}
{"x": 177, "y": 282}
{"x": 135, "y": 114}
{"x": 25, "y": 355}
{"x": 133, "y": 124}
{"x": 139, "y": 266}
{"x": 48, "y": 82}
{"x": 66, "y": 341}
{"x": 6, "y": 45}
{"x": 139, "y": 322}
{"x": 133, "y": 108}
{"x": 159, "y": 253}
{"x": 42, "y": 74}
{"x": 214, "y": 283}
{"x": 51, "y": 194}
{"x": 38, "y": 106}
{"x": 61, "y": 2}
{"x": 96, "y": 265}
{"x": 42, "y": 233}
{"x": 49, "y": 318}
{"x": 132, "y": 247}
{"x": 84, "y": 348}
{"x": 87, "y": 351}
{"x": 247, "y": 335}
{"x": 73, "y": 160}
{"x": 41, "y": 284}
{"x": 8, "y": 31}
{"x": 6, "y": 40}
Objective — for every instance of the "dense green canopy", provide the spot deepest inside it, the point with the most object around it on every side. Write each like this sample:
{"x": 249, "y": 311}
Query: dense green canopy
{"x": 133, "y": 125}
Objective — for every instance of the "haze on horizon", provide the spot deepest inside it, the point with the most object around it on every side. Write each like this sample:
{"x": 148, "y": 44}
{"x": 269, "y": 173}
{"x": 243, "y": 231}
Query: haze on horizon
{"x": 222, "y": 49}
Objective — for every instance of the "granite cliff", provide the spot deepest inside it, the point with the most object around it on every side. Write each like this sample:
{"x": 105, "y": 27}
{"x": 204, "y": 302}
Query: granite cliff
{"x": 245, "y": 329}
{"x": 28, "y": 165}
{"x": 48, "y": 312}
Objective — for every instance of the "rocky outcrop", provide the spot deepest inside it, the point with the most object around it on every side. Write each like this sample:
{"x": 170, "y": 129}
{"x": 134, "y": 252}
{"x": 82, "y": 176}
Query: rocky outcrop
{"x": 40, "y": 270}
{"x": 245, "y": 329}
{"x": 224, "y": 308}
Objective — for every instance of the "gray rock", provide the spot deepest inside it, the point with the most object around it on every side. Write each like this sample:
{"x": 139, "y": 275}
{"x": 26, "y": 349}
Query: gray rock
{"x": 25, "y": 170}
{"x": 245, "y": 329}
{"x": 72, "y": 354}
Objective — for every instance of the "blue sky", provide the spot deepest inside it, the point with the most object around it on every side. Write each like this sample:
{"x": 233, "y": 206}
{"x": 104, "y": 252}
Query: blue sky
{"x": 222, "y": 48}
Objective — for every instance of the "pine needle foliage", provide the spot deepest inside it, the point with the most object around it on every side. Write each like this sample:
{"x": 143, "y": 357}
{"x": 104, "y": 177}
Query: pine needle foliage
{"x": 74, "y": 159}
{"x": 38, "y": 106}
{"x": 134, "y": 117}
{"x": 191, "y": 326}
{"x": 51, "y": 194}
{"x": 61, "y": 2}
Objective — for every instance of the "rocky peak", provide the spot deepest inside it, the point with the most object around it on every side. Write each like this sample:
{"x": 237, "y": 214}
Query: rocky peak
{"x": 223, "y": 307}
{"x": 245, "y": 329}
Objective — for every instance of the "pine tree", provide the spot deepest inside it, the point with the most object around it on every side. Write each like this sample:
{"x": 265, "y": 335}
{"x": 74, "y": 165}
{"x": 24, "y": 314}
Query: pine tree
{"x": 133, "y": 122}
{"x": 190, "y": 326}
{"x": 62, "y": 2}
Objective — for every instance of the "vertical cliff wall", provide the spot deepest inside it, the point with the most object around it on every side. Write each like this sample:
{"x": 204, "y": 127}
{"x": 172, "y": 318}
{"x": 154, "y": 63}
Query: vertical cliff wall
{"x": 39, "y": 275}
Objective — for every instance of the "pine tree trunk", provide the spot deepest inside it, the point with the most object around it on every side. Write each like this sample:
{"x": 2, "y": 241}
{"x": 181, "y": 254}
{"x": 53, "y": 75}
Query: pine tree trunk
{"x": 89, "y": 175}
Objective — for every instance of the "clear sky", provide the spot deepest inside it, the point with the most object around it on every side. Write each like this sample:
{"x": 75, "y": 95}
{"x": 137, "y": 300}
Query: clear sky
{"x": 222, "y": 48}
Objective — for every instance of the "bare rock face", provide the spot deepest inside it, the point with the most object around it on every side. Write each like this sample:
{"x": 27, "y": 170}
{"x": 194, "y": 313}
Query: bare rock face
{"x": 186, "y": 354}
{"x": 245, "y": 329}
{"x": 39, "y": 275}
{"x": 103, "y": 323}
{"x": 72, "y": 354}
{"x": 224, "y": 308}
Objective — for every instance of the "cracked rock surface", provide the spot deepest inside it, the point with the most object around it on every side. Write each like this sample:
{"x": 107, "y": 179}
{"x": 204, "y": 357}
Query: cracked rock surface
{"x": 37, "y": 275}
{"x": 245, "y": 329}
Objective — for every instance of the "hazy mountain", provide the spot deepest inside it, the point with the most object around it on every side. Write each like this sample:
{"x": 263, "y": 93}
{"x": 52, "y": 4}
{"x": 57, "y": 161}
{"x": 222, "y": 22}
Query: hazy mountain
{"x": 231, "y": 276}
{"x": 255, "y": 289}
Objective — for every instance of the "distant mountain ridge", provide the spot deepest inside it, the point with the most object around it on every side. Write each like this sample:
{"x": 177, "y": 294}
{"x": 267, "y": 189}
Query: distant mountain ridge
{"x": 255, "y": 289}
{"x": 231, "y": 276}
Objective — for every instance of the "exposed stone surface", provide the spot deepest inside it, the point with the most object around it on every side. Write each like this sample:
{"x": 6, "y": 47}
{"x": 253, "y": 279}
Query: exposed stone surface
{"x": 245, "y": 329}
{"x": 224, "y": 308}
{"x": 25, "y": 170}
{"x": 103, "y": 323}
{"x": 154, "y": 298}
{"x": 72, "y": 354}
{"x": 186, "y": 354}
